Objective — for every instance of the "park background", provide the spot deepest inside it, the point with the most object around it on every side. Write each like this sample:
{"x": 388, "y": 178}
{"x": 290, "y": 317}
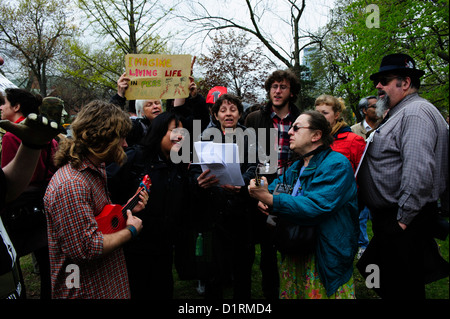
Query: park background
{"x": 75, "y": 50}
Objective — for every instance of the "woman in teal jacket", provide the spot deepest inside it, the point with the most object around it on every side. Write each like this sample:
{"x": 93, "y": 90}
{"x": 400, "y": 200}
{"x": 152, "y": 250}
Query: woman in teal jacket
{"x": 323, "y": 194}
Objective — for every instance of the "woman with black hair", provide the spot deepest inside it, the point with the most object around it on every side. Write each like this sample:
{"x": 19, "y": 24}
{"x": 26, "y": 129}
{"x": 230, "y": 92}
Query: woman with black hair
{"x": 149, "y": 257}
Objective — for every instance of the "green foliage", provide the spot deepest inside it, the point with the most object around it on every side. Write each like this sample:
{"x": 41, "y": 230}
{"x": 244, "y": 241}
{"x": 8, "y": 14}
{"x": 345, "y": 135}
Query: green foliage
{"x": 416, "y": 27}
{"x": 360, "y": 33}
{"x": 98, "y": 68}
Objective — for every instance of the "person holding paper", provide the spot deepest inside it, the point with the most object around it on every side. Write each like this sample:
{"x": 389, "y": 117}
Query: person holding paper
{"x": 226, "y": 207}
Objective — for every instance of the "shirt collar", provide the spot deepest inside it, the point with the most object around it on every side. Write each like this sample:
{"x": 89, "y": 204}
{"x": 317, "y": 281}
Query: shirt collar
{"x": 20, "y": 119}
{"x": 400, "y": 105}
{"x": 366, "y": 126}
{"x": 87, "y": 164}
{"x": 273, "y": 115}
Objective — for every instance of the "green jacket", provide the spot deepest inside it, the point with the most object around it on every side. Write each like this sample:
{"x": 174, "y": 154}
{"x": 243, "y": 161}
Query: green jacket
{"x": 330, "y": 202}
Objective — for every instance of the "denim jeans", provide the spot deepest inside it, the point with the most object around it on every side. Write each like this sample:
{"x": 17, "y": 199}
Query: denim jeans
{"x": 364, "y": 216}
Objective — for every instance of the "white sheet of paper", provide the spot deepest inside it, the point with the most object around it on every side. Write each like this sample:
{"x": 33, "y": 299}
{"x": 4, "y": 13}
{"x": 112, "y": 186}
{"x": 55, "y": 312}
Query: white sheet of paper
{"x": 222, "y": 160}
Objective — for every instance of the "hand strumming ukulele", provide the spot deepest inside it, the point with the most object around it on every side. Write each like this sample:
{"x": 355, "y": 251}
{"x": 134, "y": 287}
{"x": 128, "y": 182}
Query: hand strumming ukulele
{"x": 114, "y": 217}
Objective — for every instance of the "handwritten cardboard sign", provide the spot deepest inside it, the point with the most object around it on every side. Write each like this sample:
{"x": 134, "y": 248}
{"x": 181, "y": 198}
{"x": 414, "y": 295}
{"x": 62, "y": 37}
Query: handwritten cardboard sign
{"x": 157, "y": 76}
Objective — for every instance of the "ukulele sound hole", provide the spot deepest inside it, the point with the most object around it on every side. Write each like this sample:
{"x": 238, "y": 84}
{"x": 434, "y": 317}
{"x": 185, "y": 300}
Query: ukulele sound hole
{"x": 115, "y": 222}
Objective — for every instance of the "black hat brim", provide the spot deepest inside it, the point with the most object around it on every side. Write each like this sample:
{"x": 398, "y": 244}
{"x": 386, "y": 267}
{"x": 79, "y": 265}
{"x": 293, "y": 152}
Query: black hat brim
{"x": 398, "y": 71}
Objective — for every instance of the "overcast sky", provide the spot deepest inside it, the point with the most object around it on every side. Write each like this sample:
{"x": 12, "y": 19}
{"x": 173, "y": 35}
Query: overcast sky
{"x": 314, "y": 16}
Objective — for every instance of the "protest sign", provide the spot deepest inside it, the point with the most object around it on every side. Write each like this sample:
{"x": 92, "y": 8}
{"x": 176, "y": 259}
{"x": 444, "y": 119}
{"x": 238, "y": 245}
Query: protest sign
{"x": 157, "y": 76}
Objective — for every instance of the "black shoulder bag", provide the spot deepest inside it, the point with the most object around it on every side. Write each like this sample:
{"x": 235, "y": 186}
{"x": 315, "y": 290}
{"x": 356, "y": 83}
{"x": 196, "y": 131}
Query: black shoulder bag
{"x": 291, "y": 238}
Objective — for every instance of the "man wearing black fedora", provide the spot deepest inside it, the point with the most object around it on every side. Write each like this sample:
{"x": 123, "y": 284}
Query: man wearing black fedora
{"x": 403, "y": 174}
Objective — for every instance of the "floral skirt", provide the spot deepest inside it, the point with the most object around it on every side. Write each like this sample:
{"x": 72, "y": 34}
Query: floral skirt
{"x": 299, "y": 279}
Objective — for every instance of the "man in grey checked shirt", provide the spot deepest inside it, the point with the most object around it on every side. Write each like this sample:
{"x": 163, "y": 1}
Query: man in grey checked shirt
{"x": 403, "y": 174}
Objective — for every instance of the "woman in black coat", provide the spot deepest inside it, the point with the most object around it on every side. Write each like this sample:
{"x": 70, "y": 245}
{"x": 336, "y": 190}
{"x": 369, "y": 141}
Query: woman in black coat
{"x": 226, "y": 208}
{"x": 149, "y": 257}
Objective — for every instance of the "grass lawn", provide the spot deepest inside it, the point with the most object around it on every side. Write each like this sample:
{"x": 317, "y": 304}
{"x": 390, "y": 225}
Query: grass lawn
{"x": 186, "y": 289}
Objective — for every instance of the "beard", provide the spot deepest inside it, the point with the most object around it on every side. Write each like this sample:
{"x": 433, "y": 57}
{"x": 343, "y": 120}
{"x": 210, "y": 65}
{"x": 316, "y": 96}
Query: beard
{"x": 382, "y": 105}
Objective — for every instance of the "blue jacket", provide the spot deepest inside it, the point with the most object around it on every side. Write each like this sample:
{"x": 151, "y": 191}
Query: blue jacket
{"x": 330, "y": 202}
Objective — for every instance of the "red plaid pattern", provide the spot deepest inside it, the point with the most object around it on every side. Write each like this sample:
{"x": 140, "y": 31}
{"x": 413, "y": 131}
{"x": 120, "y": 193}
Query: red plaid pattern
{"x": 282, "y": 126}
{"x": 72, "y": 200}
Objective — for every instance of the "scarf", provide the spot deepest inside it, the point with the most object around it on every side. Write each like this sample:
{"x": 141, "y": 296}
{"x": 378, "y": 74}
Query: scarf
{"x": 339, "y": 124}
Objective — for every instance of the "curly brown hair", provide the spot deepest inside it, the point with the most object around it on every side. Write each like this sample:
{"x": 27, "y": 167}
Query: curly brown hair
{"x": 97, "y": 130}
{"x": 281, "y": 75}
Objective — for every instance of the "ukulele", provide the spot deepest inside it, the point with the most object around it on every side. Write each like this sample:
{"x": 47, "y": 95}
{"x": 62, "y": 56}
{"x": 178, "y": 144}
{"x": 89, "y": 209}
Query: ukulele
{"x": 114, "y": 217}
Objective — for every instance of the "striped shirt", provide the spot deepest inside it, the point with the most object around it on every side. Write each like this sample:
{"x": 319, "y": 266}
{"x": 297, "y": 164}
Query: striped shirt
{"x": 282, "y": 126}
{"x": 78, "y": 269}
{"x": 406, "y": 164}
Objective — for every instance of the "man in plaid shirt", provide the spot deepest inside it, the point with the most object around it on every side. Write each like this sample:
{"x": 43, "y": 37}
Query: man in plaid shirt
{"x": 282, "y": 125}
{"x": 85, "y": 263}
{"x": 279, "y": 113}
{"x": 282, "y": 88}
{"x": 402, "y": 175}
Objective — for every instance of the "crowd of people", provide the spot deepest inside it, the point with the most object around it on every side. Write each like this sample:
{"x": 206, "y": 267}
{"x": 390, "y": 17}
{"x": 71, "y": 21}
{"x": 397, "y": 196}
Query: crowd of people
{"x": 330, "y": 177}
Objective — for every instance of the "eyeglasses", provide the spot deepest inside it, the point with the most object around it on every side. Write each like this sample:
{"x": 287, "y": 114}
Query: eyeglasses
{"x": 384, "y": 80}
{"x": 297, "y": 127}
{"x": 275, "y": 87}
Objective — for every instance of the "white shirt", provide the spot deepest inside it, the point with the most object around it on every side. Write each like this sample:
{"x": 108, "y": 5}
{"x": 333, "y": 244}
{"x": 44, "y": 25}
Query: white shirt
{"x": 366, "y": 126}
